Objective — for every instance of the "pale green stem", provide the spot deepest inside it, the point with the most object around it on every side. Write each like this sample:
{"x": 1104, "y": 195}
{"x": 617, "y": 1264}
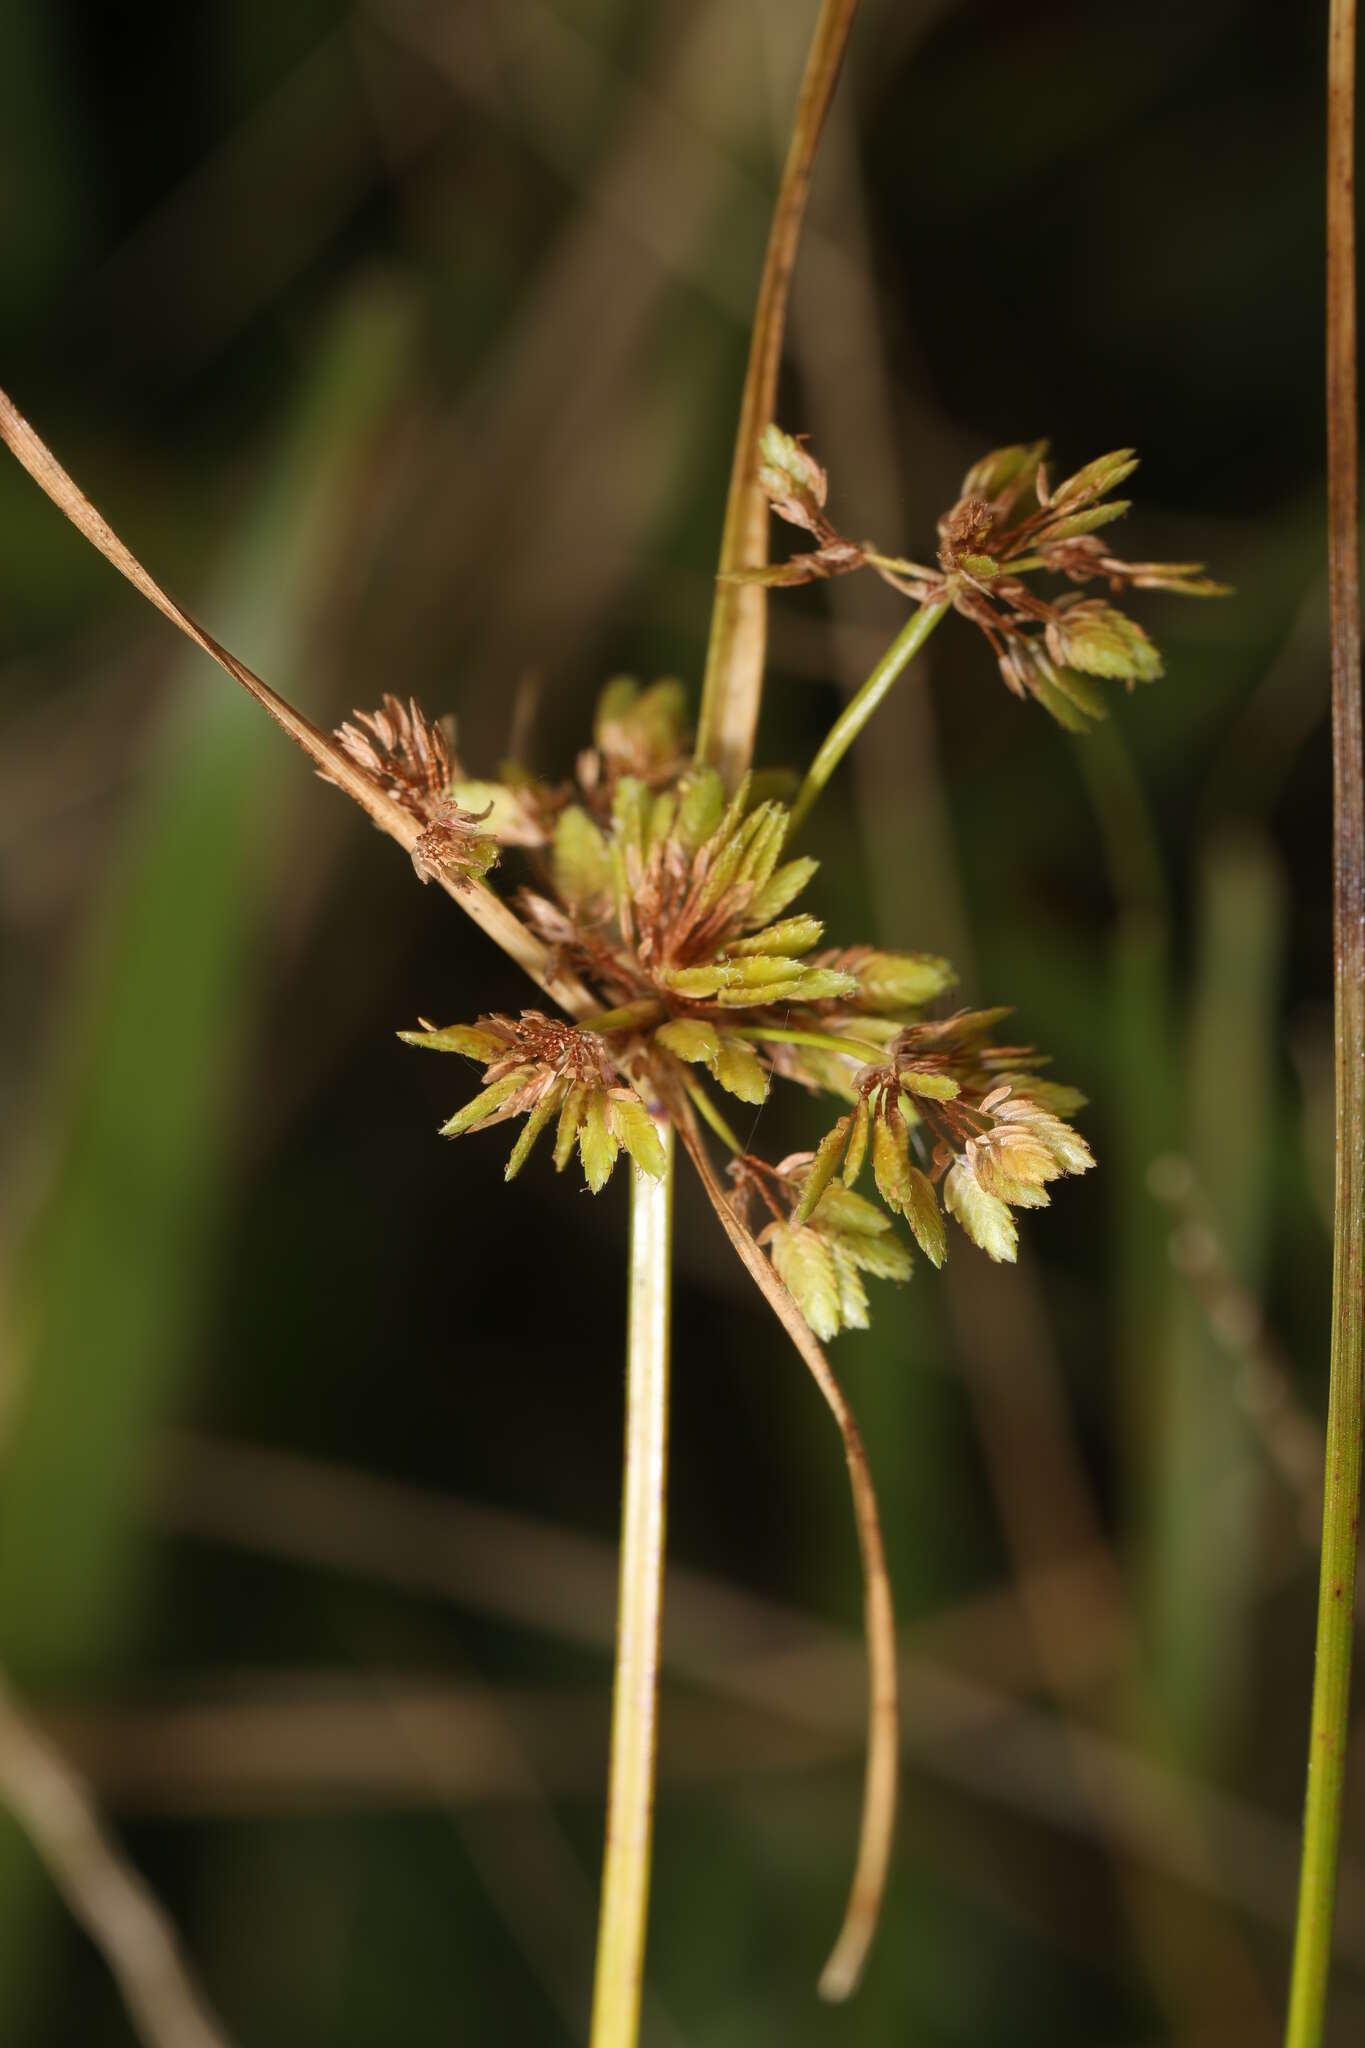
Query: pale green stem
{"x": 1341, "y": 1489}
{"x": 709, "y": 1114}
{"x": 634, "y": 1714}
{"x": 725, "y": 736}
{"x": 824, "y": 1041}
{"x": 860, "y": 708}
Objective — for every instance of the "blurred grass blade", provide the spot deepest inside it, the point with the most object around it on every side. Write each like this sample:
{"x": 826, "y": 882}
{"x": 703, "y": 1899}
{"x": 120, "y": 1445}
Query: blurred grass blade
{"x": 104, "y": 1893}
{"x": 1205, "y": 1465}
{"x": 138, "y": 1132}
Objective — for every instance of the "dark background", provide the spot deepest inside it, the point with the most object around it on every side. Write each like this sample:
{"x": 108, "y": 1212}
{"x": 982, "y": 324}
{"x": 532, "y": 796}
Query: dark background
{"x": 404, "y": 342}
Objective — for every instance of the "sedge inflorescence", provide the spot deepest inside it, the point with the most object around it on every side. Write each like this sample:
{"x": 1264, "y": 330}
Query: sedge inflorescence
{"x": 1009, "y": 522}
{"x": 679, "y": 906}
{"x": 663, "y": 910}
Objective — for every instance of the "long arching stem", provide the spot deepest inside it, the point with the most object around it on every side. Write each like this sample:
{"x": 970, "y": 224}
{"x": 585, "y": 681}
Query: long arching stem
{"x": 839, "y": 1978}
{"x": 635, "y": 1698}
{"x": 1341, "y": 1492}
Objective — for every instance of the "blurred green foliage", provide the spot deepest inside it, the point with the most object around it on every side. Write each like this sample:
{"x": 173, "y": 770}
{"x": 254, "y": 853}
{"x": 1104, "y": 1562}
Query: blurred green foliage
{"x": 404, "y": 344}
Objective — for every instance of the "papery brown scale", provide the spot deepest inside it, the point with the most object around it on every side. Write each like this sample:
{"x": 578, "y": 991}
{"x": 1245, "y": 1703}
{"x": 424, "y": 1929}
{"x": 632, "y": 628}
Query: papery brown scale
{"x": 1080, "y": 559}
{"x": 546, "y": 918}
{"x": 451, "y": 840}
{"x": 568, "y": 1048}
{"x": 1012, "y": 672}
{"x": 523, "y": 1101}
{"x": 964, "y": 530}
{"x": 406, "y": 753}
{"x": 696, "y": 931}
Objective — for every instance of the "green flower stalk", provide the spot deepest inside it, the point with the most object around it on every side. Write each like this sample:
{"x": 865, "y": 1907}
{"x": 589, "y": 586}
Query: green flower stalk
{"x": 630, "y": 1803}
{"x": 1008, "y": 523}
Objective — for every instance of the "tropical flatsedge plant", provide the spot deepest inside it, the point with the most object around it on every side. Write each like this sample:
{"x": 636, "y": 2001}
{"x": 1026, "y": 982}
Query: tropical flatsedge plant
{"x": 659, "y": 899}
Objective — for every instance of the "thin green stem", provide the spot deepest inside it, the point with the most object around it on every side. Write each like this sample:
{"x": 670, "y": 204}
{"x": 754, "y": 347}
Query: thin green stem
{"x": 860, "y": 708}
{"x": 1341, "y": 1490}
{"x": 709, "y": 1114}
{"x": 634, "y": 1714}
{"x": 825, "y": 1041}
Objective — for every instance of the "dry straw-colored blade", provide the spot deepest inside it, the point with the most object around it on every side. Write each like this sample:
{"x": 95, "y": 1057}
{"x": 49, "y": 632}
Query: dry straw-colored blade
{"x": 839, "y": 1978}
{"x": 486, "y": 909}
{"x": 106, "y": 1895}
{"x": 734, "y": 656}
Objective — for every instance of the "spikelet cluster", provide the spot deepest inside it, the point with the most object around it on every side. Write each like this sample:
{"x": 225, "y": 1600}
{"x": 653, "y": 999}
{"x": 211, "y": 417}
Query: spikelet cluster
{"x": 1009, "y": 522}
{"x": 682, "y": 908}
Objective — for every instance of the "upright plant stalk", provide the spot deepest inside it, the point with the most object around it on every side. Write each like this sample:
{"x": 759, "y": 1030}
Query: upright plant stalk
{"x": 1341, "y": 1491}
{"x": 733, "y": 683}
{"x": 634, "y": 1715}
{"x": 727, "y": 723}
{"x": 726, "y": 728}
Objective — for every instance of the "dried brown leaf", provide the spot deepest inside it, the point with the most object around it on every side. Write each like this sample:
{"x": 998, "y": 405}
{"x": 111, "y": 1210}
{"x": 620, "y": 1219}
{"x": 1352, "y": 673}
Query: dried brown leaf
{"x": 486, "y": 909}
